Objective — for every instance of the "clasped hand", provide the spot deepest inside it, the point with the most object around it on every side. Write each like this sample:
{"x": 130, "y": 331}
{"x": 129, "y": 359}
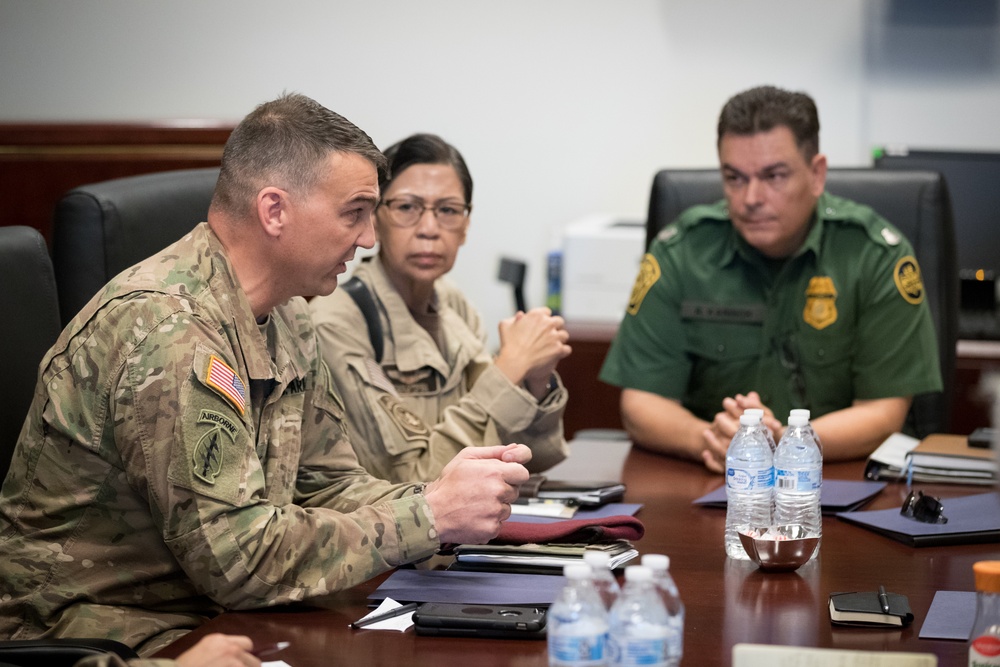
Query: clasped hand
{"x": 531, "y": 344}
{"x": 472, "y": 497}
{"x": 716, "y": 437}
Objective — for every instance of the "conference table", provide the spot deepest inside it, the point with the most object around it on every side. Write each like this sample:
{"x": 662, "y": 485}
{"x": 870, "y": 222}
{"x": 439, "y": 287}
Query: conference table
{"x": 727, "y": 602}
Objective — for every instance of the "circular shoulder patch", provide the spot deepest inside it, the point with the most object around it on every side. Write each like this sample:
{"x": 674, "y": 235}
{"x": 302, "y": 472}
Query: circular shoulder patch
{"x": 649, "y": 273}
{"x": 908, "y": 280}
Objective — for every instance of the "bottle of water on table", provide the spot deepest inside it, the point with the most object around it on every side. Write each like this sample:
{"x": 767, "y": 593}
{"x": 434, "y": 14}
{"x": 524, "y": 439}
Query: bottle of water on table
{"x": 671, "y": 597}
{"x": 798, "y": 472}
{"x": 577, "y": 622}
{"x": 763, "y": 427}
{"x": 602, "y": 576}
{"x": 805, "y": 413}
{"x": 638, "y": 629}
{"x": 749, "y": 483}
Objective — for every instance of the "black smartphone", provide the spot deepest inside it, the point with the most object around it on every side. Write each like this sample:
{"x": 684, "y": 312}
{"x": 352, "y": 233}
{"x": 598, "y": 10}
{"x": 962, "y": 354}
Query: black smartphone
{"x": 982, "y": 437}
{"x": 444, "y": 619}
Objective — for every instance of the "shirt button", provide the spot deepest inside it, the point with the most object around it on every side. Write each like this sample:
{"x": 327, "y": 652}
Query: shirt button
{"x": 821, "y": 352}
{"x": 829, "y": 211}
{"x": 721, "y": 349}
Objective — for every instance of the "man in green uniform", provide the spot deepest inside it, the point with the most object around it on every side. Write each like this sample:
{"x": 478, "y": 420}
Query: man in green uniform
{"x": 185, "y": 452}
{"x": 782, "y": 296}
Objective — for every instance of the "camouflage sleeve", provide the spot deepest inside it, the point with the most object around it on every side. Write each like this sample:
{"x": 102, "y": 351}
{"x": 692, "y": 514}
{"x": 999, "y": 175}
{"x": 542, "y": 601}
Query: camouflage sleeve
{"x": 222, "y": 493}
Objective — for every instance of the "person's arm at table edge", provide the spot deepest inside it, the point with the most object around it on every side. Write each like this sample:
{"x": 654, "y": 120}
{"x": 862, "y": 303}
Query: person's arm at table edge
{"x": 662, "y": 425}
{"x": 855, "y": 432}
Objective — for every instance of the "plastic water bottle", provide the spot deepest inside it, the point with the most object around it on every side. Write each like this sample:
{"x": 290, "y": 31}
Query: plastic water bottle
{"x": 764, "y": 428}
{"x": 749, "y": 482}
{"x": 602, "y": 576}
{"x": 671, "y": 597}
{"x": 805, "y": 413}
{"x": 638, "y": 627}
{"x": 984, "y": 642}
{"x": 798, "y": 472}
{"x": 577, "y": 622}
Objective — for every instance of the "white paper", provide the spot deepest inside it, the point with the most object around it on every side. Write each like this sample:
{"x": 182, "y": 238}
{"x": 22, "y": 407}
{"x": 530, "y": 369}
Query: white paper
{"x": 759, "y": 655}
{"x": 398, "y": 623}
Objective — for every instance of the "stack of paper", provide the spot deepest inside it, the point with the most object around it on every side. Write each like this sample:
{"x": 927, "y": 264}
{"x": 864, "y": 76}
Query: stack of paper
{"x": 536, "y": 558}
{"x": 941, "y": 457}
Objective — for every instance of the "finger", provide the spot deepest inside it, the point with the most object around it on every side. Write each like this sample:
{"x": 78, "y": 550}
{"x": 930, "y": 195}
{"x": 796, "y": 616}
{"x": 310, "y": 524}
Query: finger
{"x": 516, "y": 454}
{"x": 491, "y": 452}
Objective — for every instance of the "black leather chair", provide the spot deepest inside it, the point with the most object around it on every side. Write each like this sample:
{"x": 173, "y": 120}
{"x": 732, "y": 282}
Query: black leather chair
{"x": 916, "y": 202}
{"x": 59, "y": 652}
{"x": 28, "y": 301}
{"x": 100, "y": 230}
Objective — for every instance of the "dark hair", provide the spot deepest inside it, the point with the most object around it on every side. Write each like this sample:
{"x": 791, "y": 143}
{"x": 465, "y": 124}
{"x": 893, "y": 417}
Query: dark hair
{"x": 425, "y": 149}
{"x": 766, "y": 107}
{"x": 283, "y": 143}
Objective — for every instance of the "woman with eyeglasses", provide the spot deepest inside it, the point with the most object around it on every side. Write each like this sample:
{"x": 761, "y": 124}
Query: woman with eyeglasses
{"x": 416, "y": 378}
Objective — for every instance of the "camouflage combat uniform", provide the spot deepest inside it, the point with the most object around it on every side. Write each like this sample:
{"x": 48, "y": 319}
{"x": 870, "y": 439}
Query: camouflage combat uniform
{"x": 409, "y": 415}
{"x": 180, "y": 459}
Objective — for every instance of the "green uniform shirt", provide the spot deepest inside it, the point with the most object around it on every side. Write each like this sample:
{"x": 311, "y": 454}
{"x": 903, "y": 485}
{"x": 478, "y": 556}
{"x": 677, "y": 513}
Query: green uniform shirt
{"x": 179, "y": 460}
{"x": 844, "y": 318}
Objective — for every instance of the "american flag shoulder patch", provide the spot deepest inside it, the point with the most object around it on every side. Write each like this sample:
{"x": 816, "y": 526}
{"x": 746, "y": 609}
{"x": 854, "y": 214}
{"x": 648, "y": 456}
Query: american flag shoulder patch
{"x": 223, "y": 379}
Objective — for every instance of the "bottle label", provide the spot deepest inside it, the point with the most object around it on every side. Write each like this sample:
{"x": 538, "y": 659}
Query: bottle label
{"x": 984, "y": 651}
{"x": 739, "y": 479}
{"x": 797, "y": 480}
{"x": 633, "y": 652}
{"x": 577, "y": 650}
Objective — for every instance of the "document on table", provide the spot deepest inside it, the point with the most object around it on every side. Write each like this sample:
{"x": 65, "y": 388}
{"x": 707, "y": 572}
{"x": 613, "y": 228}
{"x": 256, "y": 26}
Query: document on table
{"x": 759, "y": 655}
{"x": 469, "y": 587}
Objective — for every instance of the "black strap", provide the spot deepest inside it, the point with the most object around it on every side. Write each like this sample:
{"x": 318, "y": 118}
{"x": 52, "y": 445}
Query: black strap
{"x": 363, "y": 298}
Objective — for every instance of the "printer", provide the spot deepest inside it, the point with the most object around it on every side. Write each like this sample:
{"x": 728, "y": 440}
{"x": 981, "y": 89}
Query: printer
{"x": 600, "y": 260}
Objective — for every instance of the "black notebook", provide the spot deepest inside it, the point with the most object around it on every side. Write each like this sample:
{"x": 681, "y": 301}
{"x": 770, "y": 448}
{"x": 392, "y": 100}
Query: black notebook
{"x": 865, "y": 609}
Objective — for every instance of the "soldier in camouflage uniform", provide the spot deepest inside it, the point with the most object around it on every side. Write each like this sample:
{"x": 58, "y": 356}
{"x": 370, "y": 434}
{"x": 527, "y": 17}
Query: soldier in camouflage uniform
{"x": 185, "y": 452}
{"x": 436, "y": 388}
{"x": 782, "y": 296}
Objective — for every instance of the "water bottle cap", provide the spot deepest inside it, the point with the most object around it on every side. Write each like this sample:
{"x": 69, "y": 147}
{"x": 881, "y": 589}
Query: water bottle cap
{"x": 638, "y": 573}
{"x": 656, "y": 562}
{"x": 577, "y": 571}
{"x": 797, "y": 420}
{"x": 754, "y": 411}
{"x": 749, "y": 420}
{"x": 596, "y": 559}
{"x": 800, "y": 411}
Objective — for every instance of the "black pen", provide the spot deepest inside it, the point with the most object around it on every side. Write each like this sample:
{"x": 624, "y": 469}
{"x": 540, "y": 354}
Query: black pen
{"x": 883, "y": 599}
{"x": 269, "y": 649}
{"x": 392, "y": 613}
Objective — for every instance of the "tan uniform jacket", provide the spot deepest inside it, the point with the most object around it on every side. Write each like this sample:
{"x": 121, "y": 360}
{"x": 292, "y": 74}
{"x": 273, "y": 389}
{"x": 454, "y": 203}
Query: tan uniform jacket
{"x": 169, "y": 469}
{"x": 410, "y": 415}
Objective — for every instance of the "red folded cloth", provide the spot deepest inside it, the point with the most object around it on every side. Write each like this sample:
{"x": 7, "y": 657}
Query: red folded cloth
{"x": 572, "y": 531}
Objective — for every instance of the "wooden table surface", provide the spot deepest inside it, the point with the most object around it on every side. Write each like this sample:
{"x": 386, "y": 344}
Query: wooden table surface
{"x": 727, "y": 602}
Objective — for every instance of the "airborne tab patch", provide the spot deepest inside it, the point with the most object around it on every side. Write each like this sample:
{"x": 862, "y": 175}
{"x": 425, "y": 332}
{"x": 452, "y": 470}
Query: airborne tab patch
{"x": 223, "y": 379}
{"x": 206, "y": 461}
{"x": 908, "y": 280}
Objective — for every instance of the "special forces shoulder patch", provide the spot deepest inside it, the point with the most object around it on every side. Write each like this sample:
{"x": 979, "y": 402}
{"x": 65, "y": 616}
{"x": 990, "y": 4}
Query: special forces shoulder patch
{"x": 908, "y": 280}
{"x": 209, "y": 452}
{"x": 224, "y": 380}
{"x": 821, "y": 302}
{"x": 649, "y": 273}
{"x": 409, "y": 424}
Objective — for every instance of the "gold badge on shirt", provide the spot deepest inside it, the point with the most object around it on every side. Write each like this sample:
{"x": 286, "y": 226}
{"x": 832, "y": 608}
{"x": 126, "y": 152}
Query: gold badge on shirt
{"x": 908, "y": 280}
{"x": 649, "y": 273}
{"x": 821, "y": 302}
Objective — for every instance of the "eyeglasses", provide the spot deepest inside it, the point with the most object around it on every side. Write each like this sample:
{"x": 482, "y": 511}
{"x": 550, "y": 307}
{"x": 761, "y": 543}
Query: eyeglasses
{"x": 406, "y": 212}
{"x": 926, "y": 509}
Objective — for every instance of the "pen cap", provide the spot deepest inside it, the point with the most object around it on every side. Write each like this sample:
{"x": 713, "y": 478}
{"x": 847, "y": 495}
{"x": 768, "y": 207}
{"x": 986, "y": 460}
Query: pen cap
{"x": 987, "y": 576}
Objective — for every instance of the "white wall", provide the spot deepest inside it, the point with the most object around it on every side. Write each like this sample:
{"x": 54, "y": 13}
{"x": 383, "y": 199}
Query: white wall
{"x": 561, "y": 107}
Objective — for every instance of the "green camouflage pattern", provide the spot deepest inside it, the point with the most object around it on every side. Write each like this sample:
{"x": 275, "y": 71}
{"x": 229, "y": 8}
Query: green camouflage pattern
{"x": 142, "y": 500}
{"x": 411, "y": 413}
